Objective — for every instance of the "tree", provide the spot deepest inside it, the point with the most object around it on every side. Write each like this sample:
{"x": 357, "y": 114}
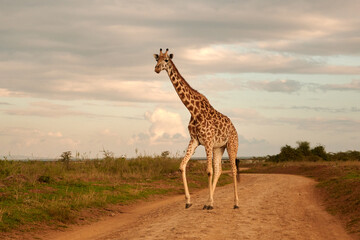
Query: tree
{"x": 303, "y": 148}
{"x": 320, "y": 152}
{"x": 287, "y": 153}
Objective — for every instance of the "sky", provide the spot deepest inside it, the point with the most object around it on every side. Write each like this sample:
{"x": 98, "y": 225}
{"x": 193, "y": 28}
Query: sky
{"x": 79, "y": 75}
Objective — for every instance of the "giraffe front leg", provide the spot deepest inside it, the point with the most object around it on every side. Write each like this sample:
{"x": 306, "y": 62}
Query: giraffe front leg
{"x": 190, "y": 151}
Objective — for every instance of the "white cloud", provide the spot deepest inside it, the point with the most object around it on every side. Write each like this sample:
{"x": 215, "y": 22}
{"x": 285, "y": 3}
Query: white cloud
{"x": 166, "y": 127}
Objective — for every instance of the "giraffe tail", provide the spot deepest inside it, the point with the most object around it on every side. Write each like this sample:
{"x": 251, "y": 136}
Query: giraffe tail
{"x": 237, "y": 161}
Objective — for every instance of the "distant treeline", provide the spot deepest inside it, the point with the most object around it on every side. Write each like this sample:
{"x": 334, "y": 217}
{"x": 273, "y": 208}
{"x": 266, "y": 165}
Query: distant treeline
{"x": 303, "y": 152}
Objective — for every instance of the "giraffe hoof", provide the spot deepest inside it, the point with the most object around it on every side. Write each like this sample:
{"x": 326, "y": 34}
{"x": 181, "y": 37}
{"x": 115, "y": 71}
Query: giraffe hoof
{"x": 188, "y": 205}
{"x": 205, "y": 207}
{"x": 236, "y": 207}
{"x": 210, "y": 207}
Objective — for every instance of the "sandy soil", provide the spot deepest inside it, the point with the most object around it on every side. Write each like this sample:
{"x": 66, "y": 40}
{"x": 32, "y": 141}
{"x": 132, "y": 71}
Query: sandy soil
{"x": 271, "y": 207}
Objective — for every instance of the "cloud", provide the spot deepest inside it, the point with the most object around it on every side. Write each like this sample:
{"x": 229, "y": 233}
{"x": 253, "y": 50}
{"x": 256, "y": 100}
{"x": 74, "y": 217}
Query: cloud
{"x": 109, "y": 133}
{"x": 166, "y": 127}
{"x": 327, "y": 109}
{"x": 101, "y": 52}
{"x": 55, "y": 134}
{"x": 48, "y": 109}
{"x": 22, "y": 140}
{"x": 86, "y": 45}
{"x": 5, "y": 103}
{"x": 317, "y": 109}
{"x": 7, "y": 93}
{"x": 334, "y": 124}
{"x": 287, "y": 86}
{"x": 354, "y": 85}
{"x": 246, "y": 115}
{"x": 253, "y": 141}
{"x": 240, "y": 58}
{"x": 254, "y": 147}
{"x": 320, "y": 124}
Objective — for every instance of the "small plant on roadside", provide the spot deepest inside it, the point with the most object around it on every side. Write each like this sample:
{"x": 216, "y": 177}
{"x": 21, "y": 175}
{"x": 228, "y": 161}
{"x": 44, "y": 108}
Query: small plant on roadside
{"x": 107, "y": 154}
{"x": 165, "y": 154}
{"x": 65, "y": 158}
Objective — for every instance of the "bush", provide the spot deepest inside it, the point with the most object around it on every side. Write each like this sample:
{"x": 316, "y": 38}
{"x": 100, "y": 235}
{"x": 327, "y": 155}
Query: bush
{"x": 345, "y": 156}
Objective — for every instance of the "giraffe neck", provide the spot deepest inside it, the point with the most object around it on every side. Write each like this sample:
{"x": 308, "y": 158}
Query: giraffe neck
{"x": 194, "y": 101}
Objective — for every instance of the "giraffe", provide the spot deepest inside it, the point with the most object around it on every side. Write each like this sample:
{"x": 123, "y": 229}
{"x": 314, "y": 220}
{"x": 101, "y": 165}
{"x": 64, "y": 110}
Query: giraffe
{"x": 207, "y": 127}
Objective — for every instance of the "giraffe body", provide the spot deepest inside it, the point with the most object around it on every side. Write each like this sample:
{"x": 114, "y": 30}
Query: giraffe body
{"x": 207, "y": 127}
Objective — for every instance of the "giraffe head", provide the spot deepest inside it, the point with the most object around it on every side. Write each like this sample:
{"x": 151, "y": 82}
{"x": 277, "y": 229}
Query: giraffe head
{"x": 163, "y": 60}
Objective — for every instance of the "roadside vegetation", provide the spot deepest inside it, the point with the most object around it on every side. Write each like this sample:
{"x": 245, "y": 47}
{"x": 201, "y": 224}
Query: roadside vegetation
{"x": 56, "y": 193}
{"x": 303, "y": 152}
{"x": 337, "y": 174}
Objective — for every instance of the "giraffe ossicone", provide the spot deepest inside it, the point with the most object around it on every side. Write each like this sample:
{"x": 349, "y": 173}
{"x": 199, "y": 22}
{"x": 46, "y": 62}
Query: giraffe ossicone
{"x": 207, "y": 127}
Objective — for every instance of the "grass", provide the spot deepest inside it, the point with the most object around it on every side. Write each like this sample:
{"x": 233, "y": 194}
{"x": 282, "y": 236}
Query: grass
{"x": 34, "y": 192}
{"x": 338, "y": 184}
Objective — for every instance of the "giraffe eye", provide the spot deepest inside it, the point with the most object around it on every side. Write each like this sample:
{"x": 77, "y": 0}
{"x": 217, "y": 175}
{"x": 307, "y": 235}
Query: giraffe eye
{"x": 166, "y": 60}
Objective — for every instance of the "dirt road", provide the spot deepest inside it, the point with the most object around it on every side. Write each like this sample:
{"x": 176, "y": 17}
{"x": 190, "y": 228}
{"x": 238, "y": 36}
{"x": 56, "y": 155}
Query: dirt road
{"x": 271, "y": 207}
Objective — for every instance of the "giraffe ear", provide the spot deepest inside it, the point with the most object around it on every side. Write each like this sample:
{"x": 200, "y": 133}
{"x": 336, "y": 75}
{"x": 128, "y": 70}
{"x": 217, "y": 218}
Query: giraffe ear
{"x": 156, "y": 56}
{"x": 171, "y": 55}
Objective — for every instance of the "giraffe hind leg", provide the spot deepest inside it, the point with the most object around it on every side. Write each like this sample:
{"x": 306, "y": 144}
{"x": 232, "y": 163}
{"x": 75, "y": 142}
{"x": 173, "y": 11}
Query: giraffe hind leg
{"x": 217, "y": 154}
{"x": 232, "y": 148}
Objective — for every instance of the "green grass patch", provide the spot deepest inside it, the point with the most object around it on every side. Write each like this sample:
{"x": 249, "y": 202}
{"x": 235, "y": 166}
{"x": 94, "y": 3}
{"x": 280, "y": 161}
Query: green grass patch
{"x": 33, "y": 193}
